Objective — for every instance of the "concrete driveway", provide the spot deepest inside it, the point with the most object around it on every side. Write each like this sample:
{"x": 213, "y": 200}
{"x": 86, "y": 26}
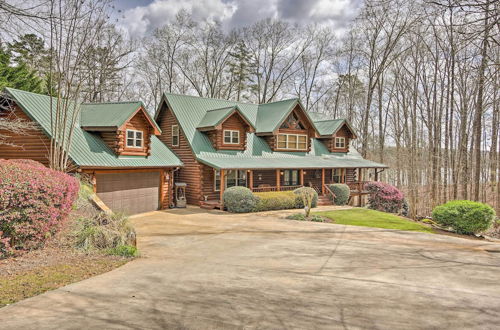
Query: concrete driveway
{"x": 208, "y": 270}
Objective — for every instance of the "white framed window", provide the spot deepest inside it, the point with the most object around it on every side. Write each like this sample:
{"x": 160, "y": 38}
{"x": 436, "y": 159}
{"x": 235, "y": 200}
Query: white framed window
{"x": 340, "y": 142}
{"x": 231, "y": 136}
{"x": 231, "y": 178}
{"x": 134, "y": 138}
{"x": 292, "y": 141}
{"x": 175, "y": 135}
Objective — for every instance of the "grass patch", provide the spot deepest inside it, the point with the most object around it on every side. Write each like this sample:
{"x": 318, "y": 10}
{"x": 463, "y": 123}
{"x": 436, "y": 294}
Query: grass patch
{"x": 39, "y": 280}
{"x": 372, "y": 218}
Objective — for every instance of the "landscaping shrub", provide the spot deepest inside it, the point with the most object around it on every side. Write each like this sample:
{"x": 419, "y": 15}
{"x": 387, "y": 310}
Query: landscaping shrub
{"x": 34, "y": 202}
{"x": 342, "y": 193}
{"x": 299, "y": 202}
{"x": 239, "y": 199}
{"x": 384, "y": 197}
{"x": 313, "y": 218}
{"x": 124, "y": 251}
{"x": 276, "y": 200}
{"x": 103, "y": 231}
{"x": 465, "y": 217}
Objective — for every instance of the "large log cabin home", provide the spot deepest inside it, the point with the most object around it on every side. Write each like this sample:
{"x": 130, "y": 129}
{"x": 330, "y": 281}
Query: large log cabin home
{"x": 266, "y": 147}
{"x": 205, "y": 144}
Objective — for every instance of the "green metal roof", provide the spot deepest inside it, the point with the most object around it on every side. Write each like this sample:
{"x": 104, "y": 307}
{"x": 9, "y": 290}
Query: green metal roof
{"x": 88, "y": 149}
{"x": 191, "y": 110}
{"x": 214, "y": 117}
{"x": 328, "y": 127}
{"x": 110, "y": 114}
{"x": 271, "y": 115}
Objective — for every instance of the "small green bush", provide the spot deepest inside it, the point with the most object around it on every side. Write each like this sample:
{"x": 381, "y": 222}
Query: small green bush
{"x": 299, "y": 202}
{"x": 239, "y": 199}
{"x": 275, "y": 200}
{"x": 342, "y": 193}
{"x": 124, "y": 251}
{"x": 302, "y": 217}
{"x": 465, "y": 217}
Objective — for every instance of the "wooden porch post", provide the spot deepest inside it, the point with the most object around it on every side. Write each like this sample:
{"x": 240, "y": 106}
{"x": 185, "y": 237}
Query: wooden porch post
{"x": 323, "y": 181}
{"x": 250, "y": 175}
{"x": 359, "y": 185}
{"x": 222, "y": 184}
{"x": 376, "y": 174}
{"x": 301, "y": 177}
{"x": 278, "y": 179}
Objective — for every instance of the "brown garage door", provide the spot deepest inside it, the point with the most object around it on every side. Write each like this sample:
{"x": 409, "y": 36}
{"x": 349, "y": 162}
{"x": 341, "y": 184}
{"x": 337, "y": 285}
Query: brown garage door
{"x": 132, "y": 193}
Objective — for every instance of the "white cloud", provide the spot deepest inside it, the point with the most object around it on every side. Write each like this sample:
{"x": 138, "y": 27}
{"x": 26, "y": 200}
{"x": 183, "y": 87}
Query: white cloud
{"x": 140, "y": 20}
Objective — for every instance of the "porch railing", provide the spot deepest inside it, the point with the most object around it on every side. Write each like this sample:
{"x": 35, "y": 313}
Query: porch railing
{"x": 274, "y": 188}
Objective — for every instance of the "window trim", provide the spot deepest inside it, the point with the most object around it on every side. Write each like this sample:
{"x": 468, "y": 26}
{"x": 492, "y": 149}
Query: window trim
{"x": 290, "y": 174}
{"x": 287, "y": 143}
{"x": 177, "y": 135}
{"x": 231, "y": 131}
{"x": 135, "y": 139}
{"x": 340, "y": 138}
{"x": 341, "y": 176}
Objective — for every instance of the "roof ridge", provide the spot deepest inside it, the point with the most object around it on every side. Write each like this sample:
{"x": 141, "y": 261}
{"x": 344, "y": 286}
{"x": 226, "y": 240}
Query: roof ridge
{"x": 209, "y": 98}
{"x": 285, "y": 100}
{"x": 114, "y": 102}
{"x": 230, "y": 107}
{"x": 317, "y": 121}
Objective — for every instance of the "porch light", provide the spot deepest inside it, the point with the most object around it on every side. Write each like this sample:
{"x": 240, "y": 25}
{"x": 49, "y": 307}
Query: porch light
{"x": 259, "y": 177}
{"x": 281, "y": 172}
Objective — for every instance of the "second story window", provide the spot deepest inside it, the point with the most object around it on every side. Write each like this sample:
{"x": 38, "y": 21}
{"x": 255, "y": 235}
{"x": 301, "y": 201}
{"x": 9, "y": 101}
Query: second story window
{"x": 292, "y": 141}
{"x": 339, "y": 142}
{"x": 134, "y": 139}
{"x": 231, "y": 136}
{"x": 175, "y": 135}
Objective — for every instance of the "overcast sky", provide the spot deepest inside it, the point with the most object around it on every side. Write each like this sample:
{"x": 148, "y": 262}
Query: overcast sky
{"x": 140, "y": 17}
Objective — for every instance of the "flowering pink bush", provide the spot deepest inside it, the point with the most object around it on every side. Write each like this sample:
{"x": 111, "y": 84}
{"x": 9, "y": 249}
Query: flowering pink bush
{"x": 384, "y": 197}
{"x": 34, "y": 202}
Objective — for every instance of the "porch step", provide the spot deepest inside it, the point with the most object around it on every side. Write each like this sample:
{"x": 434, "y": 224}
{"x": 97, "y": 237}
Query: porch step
{"x": 324, "y": 201}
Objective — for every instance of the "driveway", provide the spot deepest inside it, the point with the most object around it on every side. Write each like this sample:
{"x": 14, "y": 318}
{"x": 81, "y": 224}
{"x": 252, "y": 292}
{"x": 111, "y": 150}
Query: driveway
{"x": 209, "y": 270}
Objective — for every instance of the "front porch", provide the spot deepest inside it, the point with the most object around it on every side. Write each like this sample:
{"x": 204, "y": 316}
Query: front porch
{"x": 291, "y": 179}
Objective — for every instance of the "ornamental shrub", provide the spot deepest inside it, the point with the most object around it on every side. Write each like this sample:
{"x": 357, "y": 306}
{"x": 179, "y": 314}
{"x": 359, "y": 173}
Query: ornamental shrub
{"x": 465, "y": 217}
{"x": 342, "y": 193}
{"x": 299, "y": 202}
{"x": 384, "y": 197}
{"x": 34, "y": 203}
{"x": 276, "y": 200}
{"x": 239, "y": 199}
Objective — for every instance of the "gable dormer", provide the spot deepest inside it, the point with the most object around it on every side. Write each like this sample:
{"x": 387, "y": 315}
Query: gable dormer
{"x": 226, "y": 128}
{"x": 285, "y": 126}
{"x": 125, "y": 127}
{"x": 335, "y": 134}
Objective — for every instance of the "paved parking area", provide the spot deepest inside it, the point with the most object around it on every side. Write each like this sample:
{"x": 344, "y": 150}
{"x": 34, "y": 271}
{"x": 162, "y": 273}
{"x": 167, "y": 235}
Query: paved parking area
{"x": 213, "y": 270}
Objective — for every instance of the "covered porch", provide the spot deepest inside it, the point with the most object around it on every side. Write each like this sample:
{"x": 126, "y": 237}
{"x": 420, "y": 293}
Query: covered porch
{"x": 268, "y": 180}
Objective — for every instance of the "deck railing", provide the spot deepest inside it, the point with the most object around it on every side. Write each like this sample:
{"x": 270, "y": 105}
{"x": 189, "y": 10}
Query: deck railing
{"x": 357, "y": 186}
{"x": 274, "y": 188}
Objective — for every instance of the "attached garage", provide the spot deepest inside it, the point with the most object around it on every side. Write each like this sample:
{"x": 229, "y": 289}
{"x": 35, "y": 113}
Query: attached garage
{"x": 130, "y": 192}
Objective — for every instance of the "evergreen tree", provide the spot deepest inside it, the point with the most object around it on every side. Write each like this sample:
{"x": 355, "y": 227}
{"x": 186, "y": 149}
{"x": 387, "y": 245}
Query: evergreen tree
{"x": 240, "y": 67}
{"x": 18, "y": 75}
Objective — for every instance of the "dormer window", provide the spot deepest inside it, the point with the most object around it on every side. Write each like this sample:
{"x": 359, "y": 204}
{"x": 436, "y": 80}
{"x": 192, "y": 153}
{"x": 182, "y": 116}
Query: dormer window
{"x": 340, "y": 143}
{"x": 134, "y": 139}
{"x": 231, "y": 136}
{"x": 175, "y": 135}
{"x": 292, "y": 141}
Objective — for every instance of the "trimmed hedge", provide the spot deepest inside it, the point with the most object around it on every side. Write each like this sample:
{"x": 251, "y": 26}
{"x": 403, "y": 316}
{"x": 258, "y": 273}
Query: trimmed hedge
{"x": 384, "y": 197}
{"x": 300, "y": 202}
{"x": 34, "y": 202}
{"x": 342, "y": 193}
{"x": 465, "y": 217}
{"x": 275, "y": 200}
{"x": 239, "y": 199}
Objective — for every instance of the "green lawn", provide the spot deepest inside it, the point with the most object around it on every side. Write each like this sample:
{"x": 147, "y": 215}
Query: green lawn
{"x": 372, "y": 218}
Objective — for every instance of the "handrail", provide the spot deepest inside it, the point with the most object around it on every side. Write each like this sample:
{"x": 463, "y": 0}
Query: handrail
{"x": 274, "y": 188}
{"x": 330, "y": 191}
